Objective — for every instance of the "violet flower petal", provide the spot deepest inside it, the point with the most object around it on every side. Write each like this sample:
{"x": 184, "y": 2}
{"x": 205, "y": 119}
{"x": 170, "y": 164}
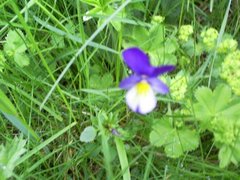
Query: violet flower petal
{"x": 129, "y": 82}
{"x": 137, "y": 61}
{"x": 162, "y": 70}
{"x": 158, "y": 86}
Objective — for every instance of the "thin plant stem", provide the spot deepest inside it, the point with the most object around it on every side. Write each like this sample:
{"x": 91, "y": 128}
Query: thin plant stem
{"x": 123, "y": 158}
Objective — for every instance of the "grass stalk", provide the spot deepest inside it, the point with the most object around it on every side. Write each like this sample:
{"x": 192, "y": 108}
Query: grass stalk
{"x": 122, "y": 158}
{"x": 106, "y": 151}
{"x": 81, "y": 50}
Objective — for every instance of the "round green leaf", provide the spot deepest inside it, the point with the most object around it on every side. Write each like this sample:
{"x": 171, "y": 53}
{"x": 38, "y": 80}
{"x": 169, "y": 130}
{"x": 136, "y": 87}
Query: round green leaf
{"x": 88, "y": 134}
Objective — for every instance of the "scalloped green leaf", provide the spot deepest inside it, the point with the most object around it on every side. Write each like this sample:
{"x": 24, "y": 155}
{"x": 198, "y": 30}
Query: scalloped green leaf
{"x": 21, "y": 59}
{"x": 213, "y": 104}
{"x": 224, "y": 156}
{"x": 214, "y": 101}
{"x": 175, "y": 141}
{"x": 232, "y": 110}
{"x": 204, "y": 96}
{"x": 183, "y": 140}
{"x": 15, "y": 42}
{"x": 141, "y": 36}
{"x": 161, "y": 133}
{"x": 222, "y": 96}
{"x": 156, "y": 37}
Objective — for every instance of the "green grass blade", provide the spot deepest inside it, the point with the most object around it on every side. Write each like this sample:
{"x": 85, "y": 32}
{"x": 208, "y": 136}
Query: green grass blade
{"x": 123, "y": 158}
{"x": 10, "y": 113}
{"x": 105, "y": 150}
{"x": 81, "y": 50}
{"x": 44, "y": 144}
{"x": 72, "y": 37}
{"x": 221, "y": 32}
{"x": 28, "y": 5}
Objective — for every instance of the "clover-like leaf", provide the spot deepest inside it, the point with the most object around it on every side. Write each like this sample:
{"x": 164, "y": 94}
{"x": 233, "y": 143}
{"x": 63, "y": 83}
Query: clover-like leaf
{"x": 141, "y": 36}
{"x": 232, "y": 109}
{"x": 161, "y": 57}
{"x": 219, "y": 112}
{"x": 214, "y": 101}
{"x": 213, "y": 104}
{"x": 175, "y": 141}
{"x": 156, "y": 36}
{"x": 204, "y": 96}
{"x": 184, "y": 140}
{"x": 161, "y": 133}
{"x": 15, "y": 42}
{"x": 88, "y": 134}
{"x": 21, "y": 59}
{"x": 222, "y": 96}
{"x": 15, "y": 47}
{"x": 191, "y": 48}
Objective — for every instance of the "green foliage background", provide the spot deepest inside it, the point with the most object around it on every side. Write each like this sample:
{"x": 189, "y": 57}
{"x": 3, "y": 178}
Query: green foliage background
{"x": 84, "y": 130}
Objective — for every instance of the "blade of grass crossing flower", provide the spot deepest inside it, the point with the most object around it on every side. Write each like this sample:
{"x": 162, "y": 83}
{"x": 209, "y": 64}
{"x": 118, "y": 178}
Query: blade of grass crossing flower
{"x": 81, "y": 49}
{"x": 123, "y": 158}
{"x": 222, "y": 29}
{"x": 44, "y": 144}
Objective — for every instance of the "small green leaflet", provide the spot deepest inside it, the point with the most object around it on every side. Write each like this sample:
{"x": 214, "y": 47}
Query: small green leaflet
{"x": 15, "y": 47}
{"x": 21, "y": 59}
{"x": 88, "y": 134}
{"x": 175, "y": 141}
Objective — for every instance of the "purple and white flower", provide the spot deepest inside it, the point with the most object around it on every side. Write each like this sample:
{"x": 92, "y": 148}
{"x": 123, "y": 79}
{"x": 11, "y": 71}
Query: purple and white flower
{"x": 143, "y": 84}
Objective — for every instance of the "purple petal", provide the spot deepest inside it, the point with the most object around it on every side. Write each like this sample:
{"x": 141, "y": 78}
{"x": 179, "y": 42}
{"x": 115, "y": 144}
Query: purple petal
{"x": 158, "y": 86}
{"x": 129, "y": 82}
{"x": 137, "y": 61}
{"x": 161, "y": 70}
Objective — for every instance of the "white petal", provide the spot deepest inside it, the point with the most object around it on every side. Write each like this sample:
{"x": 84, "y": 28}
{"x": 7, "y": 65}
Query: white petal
{"x": 141, "y": 103}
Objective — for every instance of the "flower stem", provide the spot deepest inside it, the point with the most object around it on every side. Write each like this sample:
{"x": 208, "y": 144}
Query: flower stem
{"x": 123, "y": 158}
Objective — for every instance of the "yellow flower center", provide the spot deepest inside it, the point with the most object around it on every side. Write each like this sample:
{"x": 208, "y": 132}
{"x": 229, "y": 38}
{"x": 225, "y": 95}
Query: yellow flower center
{"x": 143, "y": 87}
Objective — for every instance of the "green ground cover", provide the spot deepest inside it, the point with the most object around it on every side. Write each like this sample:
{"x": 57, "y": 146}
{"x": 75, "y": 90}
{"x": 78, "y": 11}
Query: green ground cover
{"x": 63, "y": 115}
